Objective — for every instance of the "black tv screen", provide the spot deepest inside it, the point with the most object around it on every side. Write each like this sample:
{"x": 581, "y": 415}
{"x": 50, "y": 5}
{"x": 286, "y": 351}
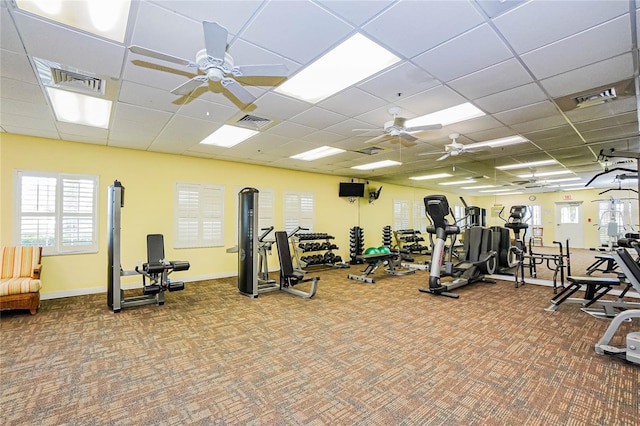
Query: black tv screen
{"x": 351, "y": 189}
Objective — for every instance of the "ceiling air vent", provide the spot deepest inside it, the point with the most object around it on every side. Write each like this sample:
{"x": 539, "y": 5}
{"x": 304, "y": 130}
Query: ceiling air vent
{"x": 597, "y": 98}
{"x": 371, "y": 150}
{"x": 87, "y": 83}
{"x": 253, "y": 122}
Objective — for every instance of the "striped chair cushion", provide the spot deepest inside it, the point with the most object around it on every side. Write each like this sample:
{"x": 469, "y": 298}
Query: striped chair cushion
{"x": 19, "y": 286}
{"x": 18, "y": 261}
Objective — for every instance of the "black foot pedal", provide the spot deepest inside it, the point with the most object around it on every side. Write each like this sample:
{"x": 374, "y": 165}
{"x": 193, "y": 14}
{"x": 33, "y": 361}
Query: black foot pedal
{"x": 176, "y": 285}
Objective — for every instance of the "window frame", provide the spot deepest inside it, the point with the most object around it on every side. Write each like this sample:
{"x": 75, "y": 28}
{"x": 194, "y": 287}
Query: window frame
{"x": 58, "y": 247}
{"x": 200, "y": 215}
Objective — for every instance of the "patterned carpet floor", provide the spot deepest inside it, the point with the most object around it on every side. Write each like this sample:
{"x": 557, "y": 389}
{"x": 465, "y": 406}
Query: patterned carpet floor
{"x": 355, "y": 354}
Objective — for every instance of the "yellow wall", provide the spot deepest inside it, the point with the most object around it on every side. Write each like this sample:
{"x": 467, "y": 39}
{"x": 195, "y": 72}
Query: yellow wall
{"x": 150, "y": 180}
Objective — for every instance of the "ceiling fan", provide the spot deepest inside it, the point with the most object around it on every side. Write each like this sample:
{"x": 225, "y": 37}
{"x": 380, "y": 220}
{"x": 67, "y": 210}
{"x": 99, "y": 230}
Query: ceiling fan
{"x": 397, "y": 128}
{"x": 215, "y": 64}
{"x": 455, "y": 148}
{"x": 532, "y": 182}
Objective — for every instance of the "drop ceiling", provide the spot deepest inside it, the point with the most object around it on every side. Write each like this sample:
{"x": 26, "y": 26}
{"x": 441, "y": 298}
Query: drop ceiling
{"x": 521, "y": 62}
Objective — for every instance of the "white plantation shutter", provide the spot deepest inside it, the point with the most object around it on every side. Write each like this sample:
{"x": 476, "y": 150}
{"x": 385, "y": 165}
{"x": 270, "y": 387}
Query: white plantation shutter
{"x": 299, "y": 210}
{"x": 57, "y": 211}
{"x": 266, "y": 208}
{"x": 419, "y": 216}
{"x": 400, "y": 214}
{"x": 199, "y": 215}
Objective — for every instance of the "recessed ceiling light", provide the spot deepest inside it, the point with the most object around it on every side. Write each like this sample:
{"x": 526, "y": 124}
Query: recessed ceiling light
{"x": 228, "y": 136}
{"x": 525, "y": 165}
{"x": 106, "y": 18}
{"x": 352, "y": 61}
{"x": 447, "y": 116}
{"x": 494, "y": 143}
{"x": 561, "y": 180}
{"x": 314, "y": 154}
{"x": 377, "y": 165}
{"x": 496, "y": 190}
{"x": 559, "y": 172}
{"x": 458, "y": 182}
{"x": 75, "y": 108}
{"x": 426, "y": 177}
{"x": 478, "y": 187}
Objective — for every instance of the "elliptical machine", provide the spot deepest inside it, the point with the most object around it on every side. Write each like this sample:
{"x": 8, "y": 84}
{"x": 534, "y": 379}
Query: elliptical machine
{"x": 477, "y": 261}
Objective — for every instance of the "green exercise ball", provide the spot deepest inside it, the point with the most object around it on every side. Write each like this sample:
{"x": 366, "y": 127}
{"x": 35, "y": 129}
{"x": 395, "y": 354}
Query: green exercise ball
{"x": 372, "y": 250}
{"x": 384, "y": 250}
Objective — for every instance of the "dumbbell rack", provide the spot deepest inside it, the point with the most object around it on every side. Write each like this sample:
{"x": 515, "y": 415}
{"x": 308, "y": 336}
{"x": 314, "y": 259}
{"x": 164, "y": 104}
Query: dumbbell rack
{"x": 410, "y": 240}
{"x": 310, "y": 242}
{"x": 356, "y": 245}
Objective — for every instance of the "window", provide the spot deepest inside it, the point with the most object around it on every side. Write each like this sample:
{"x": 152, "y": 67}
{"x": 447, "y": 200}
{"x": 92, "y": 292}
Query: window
{"x": 569, "y": 214}
{"x": 299, "y": 208}
{"x": 534, "y": 215}
{"x": 57, "y": 211}
{"x": 199, "y": 215}
{"x": 400, "y": 215}
{"x": 419, "y": 216}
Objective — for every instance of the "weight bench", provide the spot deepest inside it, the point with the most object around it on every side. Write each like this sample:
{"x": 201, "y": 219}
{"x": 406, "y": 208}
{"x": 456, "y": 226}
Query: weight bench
{"x": 374, "y": 261}
{"x": 596, "y": 287}
{"x": 290, "y": 277}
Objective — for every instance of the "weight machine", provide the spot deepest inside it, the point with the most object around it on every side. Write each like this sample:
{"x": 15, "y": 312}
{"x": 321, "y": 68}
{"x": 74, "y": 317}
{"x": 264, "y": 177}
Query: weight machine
{"x": 156, "y": 270}
{"x": 478, "y": 259}
{"x": 248, "y": 253}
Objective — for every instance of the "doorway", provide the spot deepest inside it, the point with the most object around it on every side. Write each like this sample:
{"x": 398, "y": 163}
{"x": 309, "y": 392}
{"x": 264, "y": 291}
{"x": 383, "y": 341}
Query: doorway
{"x": 569, "y": 224}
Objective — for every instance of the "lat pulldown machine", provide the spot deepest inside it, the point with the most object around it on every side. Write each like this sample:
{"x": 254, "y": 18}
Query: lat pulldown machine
{"x": 156, "y": 270}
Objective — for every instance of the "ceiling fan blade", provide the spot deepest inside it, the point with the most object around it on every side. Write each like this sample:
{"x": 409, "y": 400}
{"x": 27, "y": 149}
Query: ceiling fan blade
{"x": 399, "y": 121}
{"x": 444, "y": 157}
{"x": 260, "y": 71}
{"x": 215, "y": 39}
{"x": 407, "y": 137}
{"x": 190, "y": 85}
{"x": 367, "y": 130}
{"x": 237, "y": 90}
{"x": 423, "y": 128}
{"x": 159, "y": 55}
{"x": 377, "y": 138}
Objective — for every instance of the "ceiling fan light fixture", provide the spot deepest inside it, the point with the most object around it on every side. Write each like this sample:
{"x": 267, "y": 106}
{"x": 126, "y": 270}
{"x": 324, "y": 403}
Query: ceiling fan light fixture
{"x": 347, "y": 64}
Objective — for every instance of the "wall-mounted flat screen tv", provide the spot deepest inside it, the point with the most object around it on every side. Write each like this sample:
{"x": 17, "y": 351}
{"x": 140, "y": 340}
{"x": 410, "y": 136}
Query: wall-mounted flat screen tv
{"x": 351, "y": 189}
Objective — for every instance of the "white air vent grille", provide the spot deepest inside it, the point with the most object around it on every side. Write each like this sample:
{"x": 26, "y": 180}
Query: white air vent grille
{"x": 253, "y": 122}
{"x": 596, "y": 98}
{"x": 371, "y": 150}
{"x": 68, "y": 78}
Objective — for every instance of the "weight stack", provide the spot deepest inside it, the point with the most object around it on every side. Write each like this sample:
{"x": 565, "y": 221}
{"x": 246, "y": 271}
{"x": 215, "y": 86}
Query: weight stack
{"x": 356, "y": 244}
{"x": 386, "y": 236}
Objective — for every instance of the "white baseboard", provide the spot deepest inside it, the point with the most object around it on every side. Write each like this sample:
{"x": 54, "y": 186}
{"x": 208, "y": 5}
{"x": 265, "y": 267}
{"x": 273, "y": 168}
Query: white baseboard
{"x": 132, "y": 286}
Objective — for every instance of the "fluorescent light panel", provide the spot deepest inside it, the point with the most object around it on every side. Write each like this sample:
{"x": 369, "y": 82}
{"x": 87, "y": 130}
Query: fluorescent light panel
{"x": 352, "y": 61}
{"x": 377, "y": 165}
{"x": 106, "y": 18}
{"x": 72, "y": 107}
{"x": 458, "y": 182}
{"x": 228, "y": 136}
{"x": 478, "y": 187}
{"x": 314, "y": 154}
{"x": 447, "y": 116}
{"x": 427, "y": 177}
{"x": 494, "y": 143}
{"x": 561, "y": 180}
{"x": 525, "y": 165}
{"x": 559, "y": 172}
{"x": 495, "y": 190}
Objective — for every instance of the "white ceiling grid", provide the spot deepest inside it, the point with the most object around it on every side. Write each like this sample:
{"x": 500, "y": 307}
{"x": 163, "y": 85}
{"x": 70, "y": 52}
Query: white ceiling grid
{"x": 512, "y": 59}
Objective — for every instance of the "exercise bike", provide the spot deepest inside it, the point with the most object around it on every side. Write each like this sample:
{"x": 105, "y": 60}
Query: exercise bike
{"x": 477, "y": 260}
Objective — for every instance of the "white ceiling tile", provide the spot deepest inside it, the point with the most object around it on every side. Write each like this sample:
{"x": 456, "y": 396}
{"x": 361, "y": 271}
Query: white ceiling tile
{"x": 13, "y": 121}
{"x": 400, "y": 81}
{"x": 209, "y": 111}
{"x": 541, "y": 22}
{"x": 232, "y": 14}
{"x": 539, "y": 124}
{"x": 592, "y": 76}
{"x": 494, "y": 79}
{"x": 300, "y": 31}
{"x": 291, "y": 130}
{"x": 17, "y": 67}
{"x": 44, "y": 40}
{"x": 51, "y": 134}
{"x": 618, "y": 106}
{"x": 431, "y": 100}
{"x": 356, "y": 12}
{"x": 20, "y": 90}
{"x": 604, "y": 41}
{"x": 527, "y": 113}
{"x": 318, "y": 118}
{"x": 352, "y": 102}
{"x": 412, "y": 27}
{"x": 9, "y": 38}
{"x": 512, "y": 98}
{"x": 182, "y": 133}
{"x": 149, "y": 97}
{"x": 472, "y": 51}
{"x": 274, "y": 105}
{"x": 27, "y": 109}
